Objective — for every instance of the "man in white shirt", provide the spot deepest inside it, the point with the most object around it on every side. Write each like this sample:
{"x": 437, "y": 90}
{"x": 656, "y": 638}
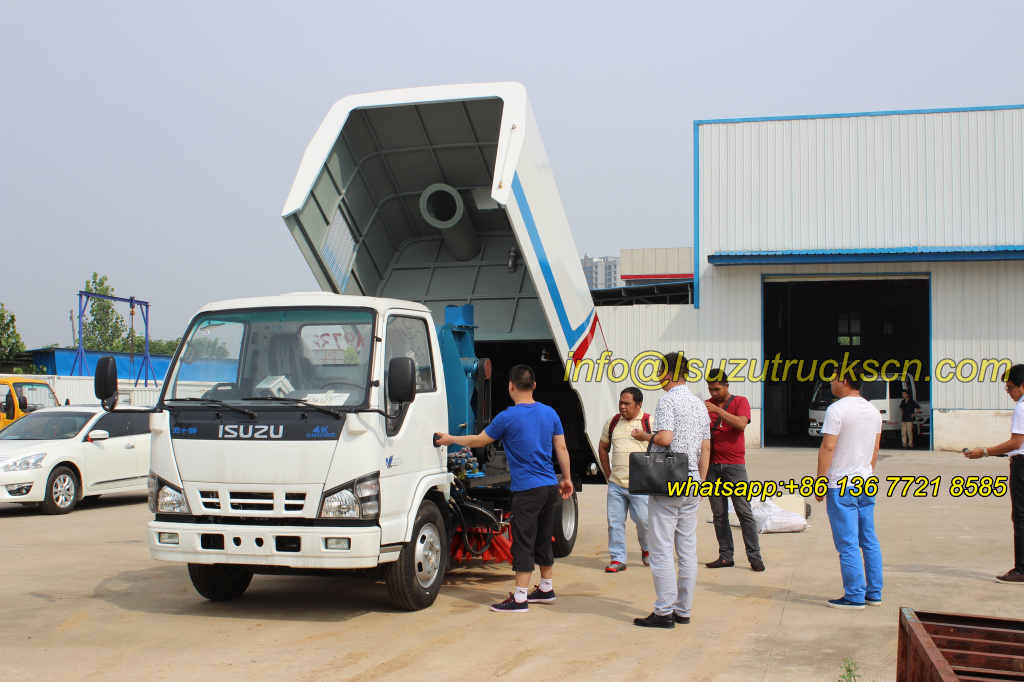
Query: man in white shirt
{"x": 851, "y": 434}
{"x": 1014, "y": 448}
{"x": 680, "y": 425}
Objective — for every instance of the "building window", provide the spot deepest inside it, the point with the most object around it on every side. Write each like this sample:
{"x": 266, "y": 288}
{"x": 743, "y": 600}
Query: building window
{"x": 849, "y": 329}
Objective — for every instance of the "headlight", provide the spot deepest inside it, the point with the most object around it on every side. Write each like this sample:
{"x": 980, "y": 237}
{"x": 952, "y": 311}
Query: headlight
{"x": 358, "y": 499}
{"x": 164, "y": 498}
{"x": 341, "y": 504}
{"x": 26, "y": 463}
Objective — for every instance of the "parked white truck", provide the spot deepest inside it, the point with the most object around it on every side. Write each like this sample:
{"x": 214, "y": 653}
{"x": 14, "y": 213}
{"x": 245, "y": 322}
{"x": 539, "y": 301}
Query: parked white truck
{"x": 294, "y": 433}
{"x": 884, "y": 395}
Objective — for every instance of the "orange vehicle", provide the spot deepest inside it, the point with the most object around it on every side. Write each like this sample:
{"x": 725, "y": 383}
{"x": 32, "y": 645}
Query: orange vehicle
{"x": 21, "y": 396}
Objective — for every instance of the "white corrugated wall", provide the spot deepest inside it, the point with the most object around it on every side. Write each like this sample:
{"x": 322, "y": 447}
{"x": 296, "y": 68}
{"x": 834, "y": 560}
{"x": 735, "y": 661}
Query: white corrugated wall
{"x": 79, "y": 390}
{"x": 953, "y": 179}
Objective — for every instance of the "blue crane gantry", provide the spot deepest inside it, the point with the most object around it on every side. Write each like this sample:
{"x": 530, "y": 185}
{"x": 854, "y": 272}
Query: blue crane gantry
{"x": 82, "y": 364}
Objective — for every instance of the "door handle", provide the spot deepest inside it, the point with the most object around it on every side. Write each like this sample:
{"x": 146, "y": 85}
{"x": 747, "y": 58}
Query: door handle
{"x": 882, "y": 411}
{"x": 129, "y": 447}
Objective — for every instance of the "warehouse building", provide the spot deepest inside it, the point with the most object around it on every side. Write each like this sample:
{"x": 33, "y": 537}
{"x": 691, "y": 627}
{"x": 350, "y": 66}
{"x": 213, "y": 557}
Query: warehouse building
{"x": 893, "y": 236}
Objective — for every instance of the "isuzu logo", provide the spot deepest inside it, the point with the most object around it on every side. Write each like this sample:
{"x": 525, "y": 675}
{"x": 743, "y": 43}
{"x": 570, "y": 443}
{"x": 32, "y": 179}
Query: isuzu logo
{"x": 250, "y": 431}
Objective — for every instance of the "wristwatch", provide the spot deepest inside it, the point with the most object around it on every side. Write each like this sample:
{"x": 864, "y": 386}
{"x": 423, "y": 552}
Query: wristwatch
{"x": 984, "y": 452}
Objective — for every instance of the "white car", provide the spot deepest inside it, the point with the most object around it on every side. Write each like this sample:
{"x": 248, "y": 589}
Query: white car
{"x": 59, "y": 455}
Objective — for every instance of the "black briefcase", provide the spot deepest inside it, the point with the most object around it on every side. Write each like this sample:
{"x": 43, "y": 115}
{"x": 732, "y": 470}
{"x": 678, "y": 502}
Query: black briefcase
{"x": 651, "y": 472}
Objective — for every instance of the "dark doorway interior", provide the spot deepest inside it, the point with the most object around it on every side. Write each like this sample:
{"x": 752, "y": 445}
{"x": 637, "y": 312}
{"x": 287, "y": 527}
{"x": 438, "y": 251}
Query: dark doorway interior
{"x": 823, "y": 319}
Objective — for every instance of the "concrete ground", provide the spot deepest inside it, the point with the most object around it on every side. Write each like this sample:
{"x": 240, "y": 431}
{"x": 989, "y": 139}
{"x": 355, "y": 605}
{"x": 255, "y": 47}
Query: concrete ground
{"x": 80, "y": 598}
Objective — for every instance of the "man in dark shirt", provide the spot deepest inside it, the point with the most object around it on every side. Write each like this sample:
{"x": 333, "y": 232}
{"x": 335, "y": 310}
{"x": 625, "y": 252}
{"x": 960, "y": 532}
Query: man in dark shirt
{"x": 729, "y": 416}
{"x": 909, "y": 410}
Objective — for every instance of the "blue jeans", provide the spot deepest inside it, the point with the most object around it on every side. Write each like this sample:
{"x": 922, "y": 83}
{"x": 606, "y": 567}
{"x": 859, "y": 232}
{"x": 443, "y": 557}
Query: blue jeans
{"x": 619, "y": 501}
{"x": 853, "y": 532}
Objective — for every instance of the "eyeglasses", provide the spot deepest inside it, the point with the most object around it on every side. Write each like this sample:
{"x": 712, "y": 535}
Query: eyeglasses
{"x": 1010, "y": 387}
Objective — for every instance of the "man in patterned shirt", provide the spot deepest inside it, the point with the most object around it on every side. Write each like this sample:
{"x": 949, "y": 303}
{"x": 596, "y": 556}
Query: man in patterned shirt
{"x": 680, "y": 425}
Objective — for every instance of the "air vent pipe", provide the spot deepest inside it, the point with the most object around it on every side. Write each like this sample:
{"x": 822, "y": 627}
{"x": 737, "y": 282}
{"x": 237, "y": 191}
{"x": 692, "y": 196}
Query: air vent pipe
{"x": 442, "y": 207}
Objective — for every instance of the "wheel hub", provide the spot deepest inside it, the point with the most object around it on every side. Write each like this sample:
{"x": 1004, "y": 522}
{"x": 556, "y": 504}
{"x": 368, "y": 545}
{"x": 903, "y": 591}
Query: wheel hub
{"x": 63, "y": 491}
{"x": 428, "y": 555}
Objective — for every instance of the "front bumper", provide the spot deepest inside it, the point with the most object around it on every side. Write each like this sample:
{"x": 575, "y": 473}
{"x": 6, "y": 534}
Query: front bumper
{"x": 267, "y": 545}
{"x": 34, "y": 477}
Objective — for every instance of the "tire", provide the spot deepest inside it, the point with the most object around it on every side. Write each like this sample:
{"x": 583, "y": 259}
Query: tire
{"x": 415, "y": 578}
{"x": 62, "y": 492}
{"x": 220, "y": 582}
{"x": 567, "y": 514}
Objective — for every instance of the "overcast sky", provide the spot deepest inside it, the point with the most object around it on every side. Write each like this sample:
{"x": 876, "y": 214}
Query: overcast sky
{"x": 155, "y": 142}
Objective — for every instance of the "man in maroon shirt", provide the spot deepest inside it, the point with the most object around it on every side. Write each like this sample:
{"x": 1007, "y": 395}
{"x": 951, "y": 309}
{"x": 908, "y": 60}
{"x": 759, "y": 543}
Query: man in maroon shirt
{"x": 729, "y": 416}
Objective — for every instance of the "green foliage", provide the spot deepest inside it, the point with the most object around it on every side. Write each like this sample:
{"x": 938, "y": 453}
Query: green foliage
{"x": 10, "y": 339}
{"x": 215, "y": 349}
{"x": 156, "y": 346}
{"x": 351, "y": 356}
{"x": 104, "y": 328}
{"x": 849, "y": 671}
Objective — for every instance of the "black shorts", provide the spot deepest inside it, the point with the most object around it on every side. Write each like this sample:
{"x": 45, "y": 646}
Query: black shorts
{"x": 533, "y": 522}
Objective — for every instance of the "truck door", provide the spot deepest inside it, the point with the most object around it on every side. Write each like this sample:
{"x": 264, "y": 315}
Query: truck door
{"x": 408, "y": 434}
{"x": 5, "y": 391}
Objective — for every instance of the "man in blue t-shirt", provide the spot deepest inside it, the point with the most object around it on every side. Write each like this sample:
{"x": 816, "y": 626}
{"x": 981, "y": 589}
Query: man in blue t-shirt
{"x": 530, "y": 431}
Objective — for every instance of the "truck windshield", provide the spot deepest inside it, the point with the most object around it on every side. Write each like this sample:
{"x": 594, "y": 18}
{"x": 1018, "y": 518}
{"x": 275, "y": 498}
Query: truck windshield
{"x": 823, "y": 393}
{"x": 322, "y": 356}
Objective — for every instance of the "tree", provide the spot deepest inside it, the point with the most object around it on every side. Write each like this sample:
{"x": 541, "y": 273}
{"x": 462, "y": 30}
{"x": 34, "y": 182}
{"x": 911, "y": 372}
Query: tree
{"x": 10, "y": 339}
{"x": 156, "y": 346}
{"x": 103, "y": 328}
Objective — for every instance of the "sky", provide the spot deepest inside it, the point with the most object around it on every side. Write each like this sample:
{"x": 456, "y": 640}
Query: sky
{"x": 155, "y": 142}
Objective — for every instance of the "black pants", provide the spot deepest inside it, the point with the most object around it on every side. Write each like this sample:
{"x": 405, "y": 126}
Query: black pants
{"x": 733, "y": 473}
{"x": 1017, "y": 509}
{"x": 533, "y": 522}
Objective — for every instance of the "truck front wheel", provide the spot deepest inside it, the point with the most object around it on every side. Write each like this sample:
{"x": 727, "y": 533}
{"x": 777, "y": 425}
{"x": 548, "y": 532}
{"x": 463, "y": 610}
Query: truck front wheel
{"x": 415, "y": 579}
{"x": 220, "y": 582}
{"x": 566, "y": 513}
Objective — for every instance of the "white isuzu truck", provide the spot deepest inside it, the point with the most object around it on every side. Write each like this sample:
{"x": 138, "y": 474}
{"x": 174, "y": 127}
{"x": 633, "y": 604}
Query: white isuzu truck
{"x": 294, "y": 433}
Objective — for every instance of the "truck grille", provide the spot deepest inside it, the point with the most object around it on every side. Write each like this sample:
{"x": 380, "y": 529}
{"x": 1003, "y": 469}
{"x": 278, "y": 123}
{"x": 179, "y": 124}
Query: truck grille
{"x": 253, "y": 501}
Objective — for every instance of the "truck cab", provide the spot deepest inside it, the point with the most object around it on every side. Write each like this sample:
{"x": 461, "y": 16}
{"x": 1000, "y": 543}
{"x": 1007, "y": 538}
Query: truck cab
{"x": 22, "y": 396}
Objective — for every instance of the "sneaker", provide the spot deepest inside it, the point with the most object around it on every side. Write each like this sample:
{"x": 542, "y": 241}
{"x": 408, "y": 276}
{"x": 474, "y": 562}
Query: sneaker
{"x": 656, "y": 621}
{"x": 615, "y": 567}
{"x": 873, "y": 602}
{"x": 539, "y": 596}
{"x": 1011, "y": 576}
{"x": 720, "y": 563}
{"x": 646, "y": 558}
{"x": 681, "y": 620}
{"x": 757, "y": 567}
{"x": 510, "y": 605}
{"x": 844, "y": 603}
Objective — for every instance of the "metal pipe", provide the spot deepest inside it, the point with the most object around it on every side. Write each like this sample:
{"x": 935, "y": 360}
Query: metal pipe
{"x": 443, "y": 208}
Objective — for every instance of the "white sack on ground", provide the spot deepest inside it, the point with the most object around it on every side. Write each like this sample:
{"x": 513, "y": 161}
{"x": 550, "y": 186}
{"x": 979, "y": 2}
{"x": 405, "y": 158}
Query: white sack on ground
{"x": 770, "y": 518}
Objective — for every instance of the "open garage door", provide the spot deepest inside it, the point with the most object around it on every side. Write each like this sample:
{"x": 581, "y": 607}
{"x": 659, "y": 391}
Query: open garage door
{"x": 813, "y": 319}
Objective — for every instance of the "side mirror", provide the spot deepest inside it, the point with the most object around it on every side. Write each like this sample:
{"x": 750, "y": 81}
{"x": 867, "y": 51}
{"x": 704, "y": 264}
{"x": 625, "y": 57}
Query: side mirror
{"x": 98, "y": 434}
{"x": 105, "y": 383}
{"x": 9, "y": 406}
{"x": 401, "y": 380}
{"x": 23, "y": 403}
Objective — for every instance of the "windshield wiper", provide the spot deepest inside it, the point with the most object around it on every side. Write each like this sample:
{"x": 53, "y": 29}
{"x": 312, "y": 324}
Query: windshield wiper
{"x": 298, "y": 401}
{"x": 218, "y": 403}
